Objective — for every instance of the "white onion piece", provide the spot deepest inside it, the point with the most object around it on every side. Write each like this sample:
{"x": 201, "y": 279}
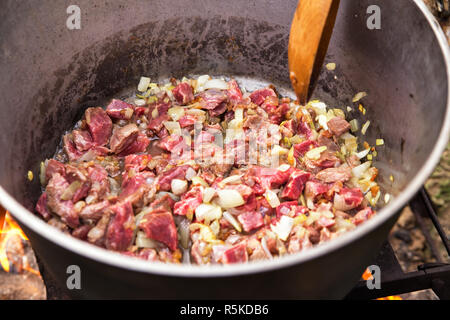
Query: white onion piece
{"x": 140, "y": 102}
{"x": 359, "y": 170}
{"x": 70, "y": 191}
{"x": 199, "y": 181}
{"x": 322, "y": 120}
{"x": 161, "y": 194}
{"x": 208, "y": 194}
{"x": 365, "y": 127}
{"x": 173, "y": 127}
{"x": 176, "y": 113}
{"x": 179, "y": 186}
{"x": 313, "y": 217}
{"x": 354, "y": 124}
{"x": 359, "y": 96}
{"x": 190, "y": 173}
{"x": 363, "y": 154}
{"x": 320, "y": 107}
{"x": 143, "y": 242}
{"x": 315, "y": 153}
{"x": 283, "y": 227}
{"x": 239, "y": 114}
{"x": 265, "y": 248}
{"x": 231, "y": 180}
{"x": 183, "y": 230}
{"x": 216, "y": 84}
{"x": 230, "y": 199}
{"x": 208, "y": 213}
{"x": 90, "y": 199}
{"x": 42, "y": 172}
{"x": 232, "y": 220}
{"x": 215, "y": 227}
{"x": 88, "y": 156}
{"x": 272, "y": 198}
{"x": 284, "y": 167}
{"x": 201, "y": 81}
{"x": 143, "y": 84}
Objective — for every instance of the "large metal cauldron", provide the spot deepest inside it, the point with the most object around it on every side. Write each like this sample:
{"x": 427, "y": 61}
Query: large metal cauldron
{"x": 50, "y": 75}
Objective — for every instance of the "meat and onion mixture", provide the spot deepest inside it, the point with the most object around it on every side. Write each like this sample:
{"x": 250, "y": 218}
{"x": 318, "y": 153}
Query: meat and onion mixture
{"x": 201, "y": 171}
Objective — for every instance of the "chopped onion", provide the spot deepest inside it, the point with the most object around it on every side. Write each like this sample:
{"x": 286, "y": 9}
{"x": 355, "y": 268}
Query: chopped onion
{"x": 140, "y": 102}
{"x": 216, "y": 84}
{"x": 359, "y": 96}
{"x": 331, "y": 66}
{"x": 205, "y": 234}
{"x": 197, "y": 181}
{"x": 155, "y": 113}
{"x": 284, "y": 167}
{"x": 277, "y": 151}
{"x": 230, "y": 199}
{"x": 90, "y": 199}
{"x": 380, "y": 142}
{"x": 296, "y": 139}
{"x": 179, "y": 186}
{"x": 114, "y": 186}
{"x": 88, "y": 156}
{"x": 232, "y": 220}
{"x": 70, "y": 191}
{"x": 365, "y": 127}
{"x": 319, "y": 107}
{"x": 339, "y": 113}
{"x": 208, "y": 194}
{"x": 322, "y": 120}
{"x": 143, "y": 84}
{"x": 283, "y": 227}
{"x": 354, "y": 125}
{"x": 42, "y": 174}
{"x": 201, "y": 81}
{"x": 231, "y": 180}
{"x": 183, "y": 230}
{"x": 215, "y": 227}
{"x": 265, "y": 248}
{"x": 291, "y": 158}
{"x": 143, "y": 242}
{"x": 79, "y": 206}
{"x": 239, "y": 114}
{"x": 161, "y": 194}
{"x": 363, "y": 154}
{"x": 208, "y": 213}
{"x": 272, "y": 198}
{"x": 314, "y": 154}
{"x": 359, "y": 170}
{"x": 176, "y": 113}
{"x": 190, "y": 173}
{"x": 313, "y": 217}
{"x": 173, "y": 127}
{"x": 343, "y": 225}
{"x": 387, "y": 198}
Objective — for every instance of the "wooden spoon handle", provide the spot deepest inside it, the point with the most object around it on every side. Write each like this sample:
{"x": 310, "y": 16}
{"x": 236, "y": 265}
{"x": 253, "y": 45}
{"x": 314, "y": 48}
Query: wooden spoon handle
{"x": 310, "y": 36}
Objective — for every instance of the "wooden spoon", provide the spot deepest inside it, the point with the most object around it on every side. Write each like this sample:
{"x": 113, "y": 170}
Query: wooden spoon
{"x": 310, "y": 36}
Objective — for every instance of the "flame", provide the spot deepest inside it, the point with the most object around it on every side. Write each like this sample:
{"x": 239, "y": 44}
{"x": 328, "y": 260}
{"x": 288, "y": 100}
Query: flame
{"x": 8, "y": 229}
{"x": 367, "y": 275}
{"x": 391, "y": 298}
